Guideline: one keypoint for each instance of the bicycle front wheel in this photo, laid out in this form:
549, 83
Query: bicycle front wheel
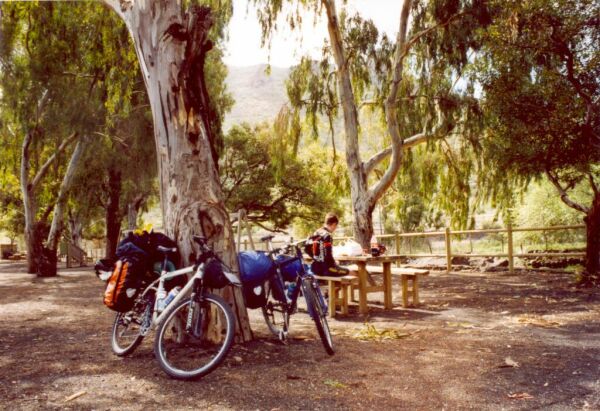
318, 314
194, 337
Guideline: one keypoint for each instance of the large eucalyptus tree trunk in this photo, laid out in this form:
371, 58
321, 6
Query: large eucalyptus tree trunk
171, 43
75, 228
592, 258
113, 213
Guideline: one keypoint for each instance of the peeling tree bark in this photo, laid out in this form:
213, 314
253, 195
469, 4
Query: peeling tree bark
35, 229
47, 267
592, 254
113, 213
75, 228
133, 209
592, 223
171, 44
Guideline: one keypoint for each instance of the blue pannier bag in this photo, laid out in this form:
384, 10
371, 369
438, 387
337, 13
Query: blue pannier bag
255, 267
290, 268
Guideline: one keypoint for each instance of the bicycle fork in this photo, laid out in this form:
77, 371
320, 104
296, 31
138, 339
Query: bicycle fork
193, 326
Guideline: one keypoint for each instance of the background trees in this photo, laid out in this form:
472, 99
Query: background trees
467, 105
412, 73
275, 193
540, 71
85, 86
39, 50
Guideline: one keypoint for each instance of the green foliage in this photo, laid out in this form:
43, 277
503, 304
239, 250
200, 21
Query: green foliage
541, 207
274, 193
45, 87
444, 34
540, 69
80, 57
11, 217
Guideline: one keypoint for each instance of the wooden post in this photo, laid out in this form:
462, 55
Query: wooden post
448, 250
68, 260
332, 298
387, 286
397, 239
250, 236
404, 279
511, 259
239, 230
362, 287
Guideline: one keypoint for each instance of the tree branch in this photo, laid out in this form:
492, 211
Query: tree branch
346, 92
410, 142
428, 30
391, 104
391, 109
65, 185
44, 169
593, 183
564, 196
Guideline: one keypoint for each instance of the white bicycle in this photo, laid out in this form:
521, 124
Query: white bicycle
185, 346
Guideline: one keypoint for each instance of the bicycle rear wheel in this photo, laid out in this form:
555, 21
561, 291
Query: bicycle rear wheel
275, 313
130, 327
194, 337
318, 314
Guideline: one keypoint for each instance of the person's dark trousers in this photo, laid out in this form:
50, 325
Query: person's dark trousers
335, 271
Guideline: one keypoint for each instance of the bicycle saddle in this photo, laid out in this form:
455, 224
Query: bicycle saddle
166, 249
267, 238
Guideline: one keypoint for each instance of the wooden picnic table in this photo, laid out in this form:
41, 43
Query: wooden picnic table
364, 287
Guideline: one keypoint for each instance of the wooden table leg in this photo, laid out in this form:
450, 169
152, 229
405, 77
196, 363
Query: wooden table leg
404, 291
415, 293
345, 290
331, 286
387, 286
362, 288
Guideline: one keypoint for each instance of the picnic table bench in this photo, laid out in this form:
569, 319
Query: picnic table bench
408, 276
341, 289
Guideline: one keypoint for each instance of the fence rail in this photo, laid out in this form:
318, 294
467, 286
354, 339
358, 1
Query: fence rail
449, 253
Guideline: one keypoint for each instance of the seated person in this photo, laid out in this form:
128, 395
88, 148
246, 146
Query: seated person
322, 250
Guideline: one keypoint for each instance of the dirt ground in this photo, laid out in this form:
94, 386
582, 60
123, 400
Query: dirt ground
479, 341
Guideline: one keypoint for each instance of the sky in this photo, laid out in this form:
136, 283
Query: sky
244, 49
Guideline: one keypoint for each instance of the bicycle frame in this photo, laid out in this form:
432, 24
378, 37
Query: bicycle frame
158, 284
301, 275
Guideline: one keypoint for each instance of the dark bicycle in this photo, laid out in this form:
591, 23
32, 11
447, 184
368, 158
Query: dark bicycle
281, 300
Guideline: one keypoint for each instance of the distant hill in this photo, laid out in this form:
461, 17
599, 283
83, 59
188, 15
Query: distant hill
258, 96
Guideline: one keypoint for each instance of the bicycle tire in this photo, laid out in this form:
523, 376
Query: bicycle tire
272, 307
136, 317
315, 310
160, 350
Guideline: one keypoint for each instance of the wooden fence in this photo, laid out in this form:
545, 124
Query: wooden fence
447, 234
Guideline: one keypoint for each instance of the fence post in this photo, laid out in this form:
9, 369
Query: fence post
397, 239
448, 251
511, 259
